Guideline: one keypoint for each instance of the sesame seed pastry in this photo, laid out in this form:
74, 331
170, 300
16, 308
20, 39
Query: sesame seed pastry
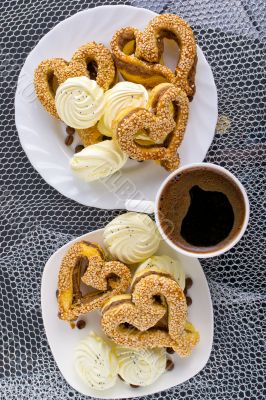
150, 47
79, 102
98, 61
121, 96
153, 314
96, 363
163, 264
98, 161
123, 45
160, 124
131, 237
91, 60
49, 75
84, 262
137, 54
142, 138
140, 367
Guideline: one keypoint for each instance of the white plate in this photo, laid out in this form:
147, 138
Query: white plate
42, 137
63, 340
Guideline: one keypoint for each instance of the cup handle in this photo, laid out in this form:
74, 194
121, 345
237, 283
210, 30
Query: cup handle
142, 206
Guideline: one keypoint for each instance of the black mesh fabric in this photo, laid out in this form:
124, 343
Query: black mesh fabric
35, 220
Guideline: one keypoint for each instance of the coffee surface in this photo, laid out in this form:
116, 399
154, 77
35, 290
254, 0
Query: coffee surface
201, 210
209, 219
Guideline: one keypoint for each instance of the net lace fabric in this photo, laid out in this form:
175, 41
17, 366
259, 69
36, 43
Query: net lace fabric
36, 220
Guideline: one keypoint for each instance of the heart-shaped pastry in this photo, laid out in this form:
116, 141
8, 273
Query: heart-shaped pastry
138, 54
154, 314
84, 262
49, 75
98, 62
164, 124
91, 60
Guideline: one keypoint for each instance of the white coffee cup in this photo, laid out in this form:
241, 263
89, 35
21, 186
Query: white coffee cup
149, 207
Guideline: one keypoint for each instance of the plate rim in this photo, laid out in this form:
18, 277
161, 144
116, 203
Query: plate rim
17, 101
45, 273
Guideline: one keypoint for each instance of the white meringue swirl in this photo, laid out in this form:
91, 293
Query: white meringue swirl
141, 367
167, 265
121, 96
79, 102
132, 237
96, 363
98, 161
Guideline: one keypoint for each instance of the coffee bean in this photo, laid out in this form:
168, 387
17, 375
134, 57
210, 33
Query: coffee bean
69, 140
189, 300
170, 350
79, 148
57, 293
81, 324
189, 283
69, 130
169, 365
120, 377
134, 386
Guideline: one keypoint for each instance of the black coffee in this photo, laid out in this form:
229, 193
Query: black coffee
201, 210
210, 218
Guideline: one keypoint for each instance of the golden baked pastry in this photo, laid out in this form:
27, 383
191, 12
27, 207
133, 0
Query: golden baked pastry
153, 314
164, 126
98, 61
49, 75
123, 45
138, 54
91, 60
84, 262
89, 136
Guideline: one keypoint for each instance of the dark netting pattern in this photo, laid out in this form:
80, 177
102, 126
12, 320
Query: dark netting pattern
36, 220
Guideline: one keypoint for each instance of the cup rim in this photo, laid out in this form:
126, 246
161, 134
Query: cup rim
230, 244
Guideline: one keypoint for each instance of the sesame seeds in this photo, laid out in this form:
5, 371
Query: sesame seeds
144, 65
159, 125
142, 314
98, 53
70, 300
62, 70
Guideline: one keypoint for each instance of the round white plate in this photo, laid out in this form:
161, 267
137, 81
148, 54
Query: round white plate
63, 340
42, 136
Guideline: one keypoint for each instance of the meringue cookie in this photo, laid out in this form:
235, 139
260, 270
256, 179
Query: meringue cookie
167, 265
79, 102
131, 237
141, 367
96, 363
121, 96
98, 160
